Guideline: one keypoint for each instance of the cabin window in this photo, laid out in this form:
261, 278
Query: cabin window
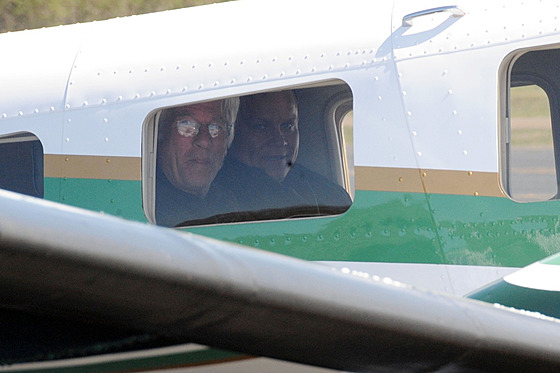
21, 166
532, 127
274, 155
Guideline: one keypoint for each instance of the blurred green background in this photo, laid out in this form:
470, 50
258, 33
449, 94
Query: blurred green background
29, 14
530, 117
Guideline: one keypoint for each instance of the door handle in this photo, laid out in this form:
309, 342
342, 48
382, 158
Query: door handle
453, 9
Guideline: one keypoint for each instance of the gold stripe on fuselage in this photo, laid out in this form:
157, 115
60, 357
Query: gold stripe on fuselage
410, 180
407, 180
93, 167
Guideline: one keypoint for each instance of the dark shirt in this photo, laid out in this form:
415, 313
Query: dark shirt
301, 193
326, 197
259, 196
175, 207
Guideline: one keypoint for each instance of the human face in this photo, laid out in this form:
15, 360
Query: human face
267, 135
190, 160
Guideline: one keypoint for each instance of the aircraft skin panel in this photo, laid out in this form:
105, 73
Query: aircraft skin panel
47, 127
40, 63
469, 127
442, 51
401, 230
152, 70
190, 66
476, 29
381, 135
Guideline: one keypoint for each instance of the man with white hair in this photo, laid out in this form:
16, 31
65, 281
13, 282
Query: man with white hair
192, 143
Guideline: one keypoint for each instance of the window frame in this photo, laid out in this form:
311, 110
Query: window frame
551, 88
37, 172
340, 106
151, 124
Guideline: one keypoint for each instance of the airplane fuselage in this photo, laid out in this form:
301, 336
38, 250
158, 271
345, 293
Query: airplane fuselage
410, 114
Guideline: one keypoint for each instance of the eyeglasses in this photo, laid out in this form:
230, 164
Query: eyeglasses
191, 128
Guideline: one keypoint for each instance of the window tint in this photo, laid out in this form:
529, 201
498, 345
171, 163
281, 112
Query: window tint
278, 155
531, 127
21, 169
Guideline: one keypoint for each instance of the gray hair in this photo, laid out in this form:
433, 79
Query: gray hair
230, 107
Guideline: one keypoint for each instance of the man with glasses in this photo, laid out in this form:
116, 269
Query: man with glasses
192, 143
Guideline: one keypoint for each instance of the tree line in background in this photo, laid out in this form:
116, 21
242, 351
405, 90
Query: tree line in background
29, 14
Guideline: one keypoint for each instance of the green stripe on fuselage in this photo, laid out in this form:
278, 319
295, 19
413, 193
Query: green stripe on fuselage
116, 197
495, 231
382, 227
379, 227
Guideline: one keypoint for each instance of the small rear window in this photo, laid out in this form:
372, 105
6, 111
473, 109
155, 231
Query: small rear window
21, 168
